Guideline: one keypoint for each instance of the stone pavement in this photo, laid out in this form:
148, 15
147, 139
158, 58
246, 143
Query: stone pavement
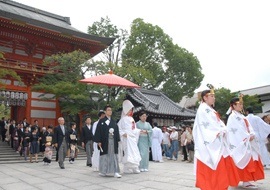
170, 175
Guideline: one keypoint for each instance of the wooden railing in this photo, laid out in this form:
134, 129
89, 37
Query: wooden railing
25, 66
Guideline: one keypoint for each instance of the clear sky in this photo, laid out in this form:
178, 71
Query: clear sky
231, 38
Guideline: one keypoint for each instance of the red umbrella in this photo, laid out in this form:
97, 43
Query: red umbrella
110, 80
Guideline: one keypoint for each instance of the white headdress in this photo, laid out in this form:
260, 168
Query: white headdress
127, 105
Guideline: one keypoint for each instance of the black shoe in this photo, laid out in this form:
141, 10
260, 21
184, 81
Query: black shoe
90, 165
62, 167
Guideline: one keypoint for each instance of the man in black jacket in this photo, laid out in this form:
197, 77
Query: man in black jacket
3, 129
107, 136
87, 140
61, 139
12, 129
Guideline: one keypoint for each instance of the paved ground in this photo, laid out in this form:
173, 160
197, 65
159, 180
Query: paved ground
170, 175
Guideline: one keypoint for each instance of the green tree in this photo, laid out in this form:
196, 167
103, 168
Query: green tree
144, 50
64, 83
224, 96
4, 111
112, 54
1, 55
111, 57
183, 73
158, 63
8, 73
4, 73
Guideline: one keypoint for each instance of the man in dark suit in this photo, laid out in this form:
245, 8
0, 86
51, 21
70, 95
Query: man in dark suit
107, 136
61, 139
35, 126
25, 123
20, 137
87, 140
12, 129
3, 129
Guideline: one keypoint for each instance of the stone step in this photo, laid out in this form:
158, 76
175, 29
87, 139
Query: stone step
9, 156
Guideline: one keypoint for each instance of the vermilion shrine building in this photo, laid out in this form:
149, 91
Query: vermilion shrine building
27, 36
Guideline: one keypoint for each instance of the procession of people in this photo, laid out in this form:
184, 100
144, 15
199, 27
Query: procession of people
226, 154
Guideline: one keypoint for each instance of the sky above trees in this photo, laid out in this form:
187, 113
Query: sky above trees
230, 38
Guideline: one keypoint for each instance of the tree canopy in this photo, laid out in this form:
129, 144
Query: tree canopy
64, 83
160, 63
224, 96
4, 73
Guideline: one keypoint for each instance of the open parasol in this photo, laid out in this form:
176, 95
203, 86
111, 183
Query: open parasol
109, 80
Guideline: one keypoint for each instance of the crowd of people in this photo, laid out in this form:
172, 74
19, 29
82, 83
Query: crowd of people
226, 154
131, 143
31, 140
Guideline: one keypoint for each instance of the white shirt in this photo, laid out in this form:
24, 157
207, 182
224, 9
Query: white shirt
174, 135
166, 138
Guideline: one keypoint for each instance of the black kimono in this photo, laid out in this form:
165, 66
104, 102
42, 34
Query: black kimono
102, 134
107, 133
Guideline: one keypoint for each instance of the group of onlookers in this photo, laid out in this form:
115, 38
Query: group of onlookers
31, 140
178, 142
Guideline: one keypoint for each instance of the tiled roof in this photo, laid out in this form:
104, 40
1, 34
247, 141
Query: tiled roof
156, 102
39, 18
260, 91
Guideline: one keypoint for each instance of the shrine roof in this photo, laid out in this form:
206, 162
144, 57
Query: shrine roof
156, 102
42, 19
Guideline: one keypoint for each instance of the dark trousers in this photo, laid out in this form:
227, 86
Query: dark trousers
3, 134
11, 141
184, 150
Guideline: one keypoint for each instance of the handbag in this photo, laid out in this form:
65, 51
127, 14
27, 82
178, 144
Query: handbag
72, 137
190, 146
48, 139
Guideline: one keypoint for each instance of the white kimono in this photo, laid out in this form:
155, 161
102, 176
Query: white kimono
157, 137
239, 132
262, 130
131, 158
96, 152
208, 134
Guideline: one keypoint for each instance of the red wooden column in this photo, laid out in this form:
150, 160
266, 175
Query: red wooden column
28, 104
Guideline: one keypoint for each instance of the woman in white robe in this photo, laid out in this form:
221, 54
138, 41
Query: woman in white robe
212, 160
244, 147
262, 130
129, 139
